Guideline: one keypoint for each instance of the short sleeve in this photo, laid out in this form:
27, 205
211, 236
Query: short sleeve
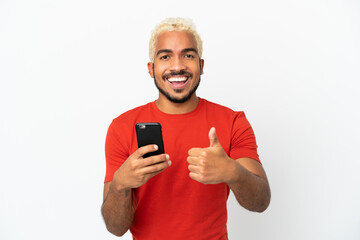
243, 142
116, 150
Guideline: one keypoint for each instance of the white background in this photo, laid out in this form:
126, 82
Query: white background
67, 68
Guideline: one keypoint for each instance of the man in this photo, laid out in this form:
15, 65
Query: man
210, 149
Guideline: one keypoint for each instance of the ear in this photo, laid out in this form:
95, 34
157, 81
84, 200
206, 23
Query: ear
201, 66
150, 68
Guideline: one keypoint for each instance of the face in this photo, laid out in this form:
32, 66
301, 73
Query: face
177, 67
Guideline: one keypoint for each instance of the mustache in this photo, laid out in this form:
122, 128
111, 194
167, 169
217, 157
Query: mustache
176, 73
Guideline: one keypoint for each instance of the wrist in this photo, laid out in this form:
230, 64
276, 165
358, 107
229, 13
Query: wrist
119, 182
234, 173
118, 187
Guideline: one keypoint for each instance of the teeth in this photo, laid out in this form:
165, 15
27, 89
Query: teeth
177, 79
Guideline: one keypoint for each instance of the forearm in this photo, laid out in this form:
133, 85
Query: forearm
117, 210
250, 190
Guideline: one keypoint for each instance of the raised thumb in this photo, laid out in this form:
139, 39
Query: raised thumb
213, 138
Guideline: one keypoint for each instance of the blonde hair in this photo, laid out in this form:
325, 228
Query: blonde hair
174, 24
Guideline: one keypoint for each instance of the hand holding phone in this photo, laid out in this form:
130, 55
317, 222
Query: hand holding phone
137, 169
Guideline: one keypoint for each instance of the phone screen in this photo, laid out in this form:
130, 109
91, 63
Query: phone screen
150, 133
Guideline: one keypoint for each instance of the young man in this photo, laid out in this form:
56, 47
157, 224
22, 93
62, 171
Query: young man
210, 150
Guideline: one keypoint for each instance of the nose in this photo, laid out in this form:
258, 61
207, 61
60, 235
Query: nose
177, 64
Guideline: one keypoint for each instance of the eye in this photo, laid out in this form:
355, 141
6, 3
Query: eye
189, 56
164, 57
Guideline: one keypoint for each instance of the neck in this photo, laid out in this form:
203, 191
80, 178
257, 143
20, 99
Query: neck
166, 106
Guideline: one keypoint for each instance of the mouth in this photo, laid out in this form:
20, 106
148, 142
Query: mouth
177, 81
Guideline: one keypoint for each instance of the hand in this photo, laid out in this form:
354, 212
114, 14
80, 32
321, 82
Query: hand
136, 170
210, 165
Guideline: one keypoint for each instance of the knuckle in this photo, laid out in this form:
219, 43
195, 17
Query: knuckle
149, 160
132, 165
160, 167
202, 178
139, 150
144, 150
157, 159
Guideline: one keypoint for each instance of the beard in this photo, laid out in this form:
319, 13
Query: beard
171, 98
174, 99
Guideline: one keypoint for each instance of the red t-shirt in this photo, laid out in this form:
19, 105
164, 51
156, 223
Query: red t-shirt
171, 205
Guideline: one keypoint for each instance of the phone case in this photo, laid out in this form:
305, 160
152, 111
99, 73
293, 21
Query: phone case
149, 133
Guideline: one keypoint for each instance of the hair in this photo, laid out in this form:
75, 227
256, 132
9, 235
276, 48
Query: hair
174, 24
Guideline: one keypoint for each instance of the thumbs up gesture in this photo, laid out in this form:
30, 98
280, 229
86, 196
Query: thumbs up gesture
210, 165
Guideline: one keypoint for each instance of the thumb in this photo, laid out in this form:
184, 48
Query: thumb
214, 141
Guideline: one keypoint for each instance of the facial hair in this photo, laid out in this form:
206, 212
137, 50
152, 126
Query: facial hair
173, 99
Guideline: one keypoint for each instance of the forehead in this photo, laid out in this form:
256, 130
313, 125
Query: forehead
175, 41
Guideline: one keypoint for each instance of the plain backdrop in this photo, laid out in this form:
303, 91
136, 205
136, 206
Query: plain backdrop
67, 68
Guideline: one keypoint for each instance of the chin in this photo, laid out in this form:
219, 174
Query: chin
185, 97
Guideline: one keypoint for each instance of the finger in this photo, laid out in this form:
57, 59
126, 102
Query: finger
195, 176
195, 152
155, 159
153, 174
214, 141
194, 169
155, 169
150, 175
147, 176
144, 150
193, 160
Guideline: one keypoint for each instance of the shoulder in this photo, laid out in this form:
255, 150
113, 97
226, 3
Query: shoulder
123, 123
221, 110
132, 114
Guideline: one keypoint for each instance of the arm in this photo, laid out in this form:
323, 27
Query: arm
117, 209
245, 177
250, 185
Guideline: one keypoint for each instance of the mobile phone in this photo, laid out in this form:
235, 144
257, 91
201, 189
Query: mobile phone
150, 133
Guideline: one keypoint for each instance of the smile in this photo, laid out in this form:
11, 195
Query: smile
177, 81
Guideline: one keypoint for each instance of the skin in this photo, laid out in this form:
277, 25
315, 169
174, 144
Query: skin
176, 51
117, 207
245, 176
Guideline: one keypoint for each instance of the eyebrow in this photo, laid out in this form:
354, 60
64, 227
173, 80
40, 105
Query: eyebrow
163, 51
170, 51
189, 50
